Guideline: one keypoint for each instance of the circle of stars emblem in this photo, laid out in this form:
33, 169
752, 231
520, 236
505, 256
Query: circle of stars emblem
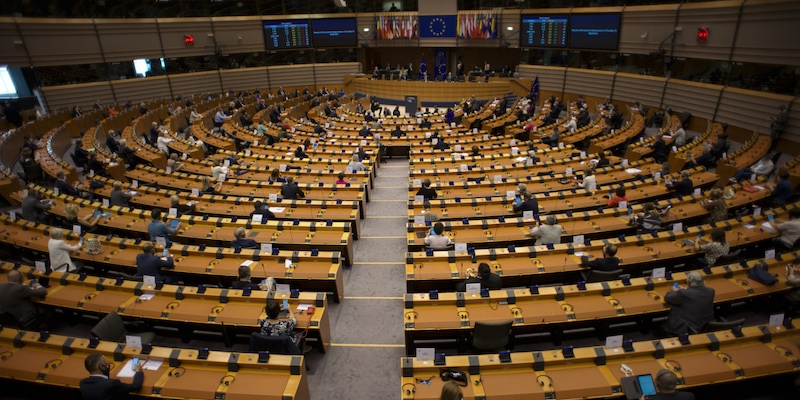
437, 26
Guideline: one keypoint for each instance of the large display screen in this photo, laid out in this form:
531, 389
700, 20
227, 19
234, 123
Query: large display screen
287, 35
339, 32
594, 31
543, 31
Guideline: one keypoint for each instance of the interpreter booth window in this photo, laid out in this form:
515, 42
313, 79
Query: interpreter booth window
71, 74
7, 88
549, 57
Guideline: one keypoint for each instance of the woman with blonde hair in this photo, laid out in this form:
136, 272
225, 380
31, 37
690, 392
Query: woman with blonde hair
71, 218
59, 251
451, 391
207, 187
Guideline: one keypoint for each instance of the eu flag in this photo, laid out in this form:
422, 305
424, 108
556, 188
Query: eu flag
437, 26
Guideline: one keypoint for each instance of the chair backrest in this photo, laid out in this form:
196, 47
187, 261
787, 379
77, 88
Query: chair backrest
729, 258
111, 328
722, 325
33, 171
280, 344
601, 276
491, 336
9, 320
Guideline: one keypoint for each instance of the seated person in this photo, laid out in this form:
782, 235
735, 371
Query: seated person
35, 207
426, 191
59, 251
241, 241
15, 299
157, 228
609, 262
691, 307
173, 164
118, 197
340, 179
720, 146
207, 187
526, 202
647, 221
290, 190
175, 202
64, 187
589, 181
272, 326
245, 281
355, 165
71, 218
94, 165
603, 161
716, 206
100, 386
485, 277
549, 232
619, 196
789, 230
397, 132
148, 263
437, 239
660, 150
716, 248
299, 153
275, 176
259, 209
552, 140
706, 160
762, 168
426, 211
782, 191
685, 187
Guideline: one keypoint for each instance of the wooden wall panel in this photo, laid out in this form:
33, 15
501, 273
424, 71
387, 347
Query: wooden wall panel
172, 31
198, 82
239, 34
587, 82
657, 22
429, 91
129, 39
244, 78
143, 89
752, 110
12, 45
697, 98
768, 33
719, 17
551, 79
73, 40
647, 90
291, 75
332, 75
84, 95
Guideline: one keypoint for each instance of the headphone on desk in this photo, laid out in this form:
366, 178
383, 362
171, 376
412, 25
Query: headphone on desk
175, 373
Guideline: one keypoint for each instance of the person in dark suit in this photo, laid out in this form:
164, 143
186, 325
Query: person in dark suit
666, 381
691, 307
609, 261
244, 280
684, 187
290, 190
660, 150
397, 132
80, 154
15, 299
527, 203
241, 240
35, 208
259, 209
426, 191
364, 132
64, 187
148, 263
485, 277
98, 386
175, 202
111, 142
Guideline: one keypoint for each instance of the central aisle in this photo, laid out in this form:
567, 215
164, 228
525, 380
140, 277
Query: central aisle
363, 362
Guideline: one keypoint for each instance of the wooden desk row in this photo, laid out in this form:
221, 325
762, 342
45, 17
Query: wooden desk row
555, 309
310, 270
594, 372
516, 230
630, 130
539, 181
186, 307
244, 188
572, 200
296, 235
499, 154
749, 154
677, 159
558, 263
59, 361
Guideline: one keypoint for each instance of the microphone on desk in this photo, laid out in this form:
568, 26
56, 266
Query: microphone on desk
564, 269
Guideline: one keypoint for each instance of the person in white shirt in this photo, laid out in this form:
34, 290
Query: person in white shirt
59, 251
162, 142
762, 168
194, 115
355, 165
437, 239
550, 232
679, 137
589, 181
572, 125
218, 170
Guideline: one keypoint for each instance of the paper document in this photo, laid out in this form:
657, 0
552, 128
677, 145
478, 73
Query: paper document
633, 170
302, 307
277, 209
146, 296
247, 263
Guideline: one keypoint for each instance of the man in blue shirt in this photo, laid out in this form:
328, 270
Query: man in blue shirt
157, 228
148, 263
782, 191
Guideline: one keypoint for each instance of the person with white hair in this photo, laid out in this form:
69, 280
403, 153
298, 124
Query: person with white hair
549, 232
692, 307
572, 125
59, 251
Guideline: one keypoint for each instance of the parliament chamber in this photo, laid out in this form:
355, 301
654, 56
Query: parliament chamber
283, 199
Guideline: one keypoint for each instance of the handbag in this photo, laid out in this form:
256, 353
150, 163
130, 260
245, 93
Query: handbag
760, 274
454, 374
93, 246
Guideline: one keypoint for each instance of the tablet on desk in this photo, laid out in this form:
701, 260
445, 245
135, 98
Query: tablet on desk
687, 242
283, 314
420, 235
174, 223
